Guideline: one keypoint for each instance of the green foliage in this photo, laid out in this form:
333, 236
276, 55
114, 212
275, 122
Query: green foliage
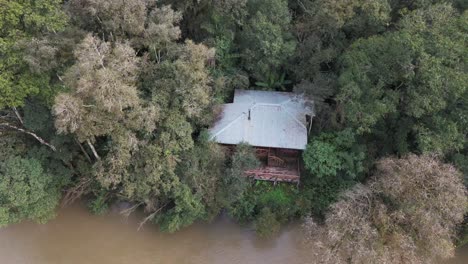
266, 223
265, 40
325, 29
275, 198
412, 76
282, 199
321, 159
99, 204
334, 161
243, 159
136, 98
226, 59
267, 204
130, 94
273, 82
21, 21
319, 194
234, 182
462, 5
461, 162
187, 208
463, 235
26, 191
202, 169
331, 154
243, 210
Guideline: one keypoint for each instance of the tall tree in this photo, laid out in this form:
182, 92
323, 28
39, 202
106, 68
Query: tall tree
407, 213
20, 21
26, 191
265, 41
144, 23
335, 155
410, 85
103, 83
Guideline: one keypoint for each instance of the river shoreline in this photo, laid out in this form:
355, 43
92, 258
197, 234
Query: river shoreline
76, 236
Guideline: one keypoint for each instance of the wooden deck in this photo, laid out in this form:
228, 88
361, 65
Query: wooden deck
278, 165
275, 174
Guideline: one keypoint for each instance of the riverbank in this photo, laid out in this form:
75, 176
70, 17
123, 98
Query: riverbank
76, 236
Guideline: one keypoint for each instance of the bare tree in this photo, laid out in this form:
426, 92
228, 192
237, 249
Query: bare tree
406, 214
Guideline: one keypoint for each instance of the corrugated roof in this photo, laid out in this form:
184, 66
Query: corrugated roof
277, 120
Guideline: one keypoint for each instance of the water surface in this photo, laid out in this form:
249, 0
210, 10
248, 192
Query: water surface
75, 236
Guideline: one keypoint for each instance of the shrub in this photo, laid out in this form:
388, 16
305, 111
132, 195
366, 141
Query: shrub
266, 223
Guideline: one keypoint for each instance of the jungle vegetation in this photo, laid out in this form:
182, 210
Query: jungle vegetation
109, 101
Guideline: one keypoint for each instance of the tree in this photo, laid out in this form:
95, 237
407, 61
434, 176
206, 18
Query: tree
265, 40
202, 169
143, 23
335, 154
192, 79
266, 223
138, 111
187, 209
324, 30
407, 213
21, 21
26, 191
103, 83
409, 85
321, 159
234, 182
113, 18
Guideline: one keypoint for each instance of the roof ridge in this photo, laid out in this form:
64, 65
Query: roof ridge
227, 126
291, 115
285, 102
282, 107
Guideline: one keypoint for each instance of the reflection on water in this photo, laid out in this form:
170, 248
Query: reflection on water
75, 236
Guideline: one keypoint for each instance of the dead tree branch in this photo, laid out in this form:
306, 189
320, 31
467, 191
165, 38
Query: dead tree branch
84, 151
149, 217
93, 149
18, 115
76, 191
38, 138
128, 211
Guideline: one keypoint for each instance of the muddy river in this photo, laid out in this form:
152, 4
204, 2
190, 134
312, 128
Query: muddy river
75, 236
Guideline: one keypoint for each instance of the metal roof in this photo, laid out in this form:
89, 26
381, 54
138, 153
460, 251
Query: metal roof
277, 120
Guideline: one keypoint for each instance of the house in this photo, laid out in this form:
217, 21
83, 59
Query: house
275, 123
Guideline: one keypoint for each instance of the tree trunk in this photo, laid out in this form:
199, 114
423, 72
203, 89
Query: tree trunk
84, 151
18, 115
38, 138
93, 149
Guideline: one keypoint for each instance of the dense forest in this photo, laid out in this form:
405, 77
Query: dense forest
109, 101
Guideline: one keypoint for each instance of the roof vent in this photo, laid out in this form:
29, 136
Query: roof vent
249, 114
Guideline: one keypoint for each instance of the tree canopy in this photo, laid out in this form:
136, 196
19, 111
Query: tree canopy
26, 191
109, 101
406, 213
411, 81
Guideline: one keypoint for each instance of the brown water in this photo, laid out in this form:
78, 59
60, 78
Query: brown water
75, 236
